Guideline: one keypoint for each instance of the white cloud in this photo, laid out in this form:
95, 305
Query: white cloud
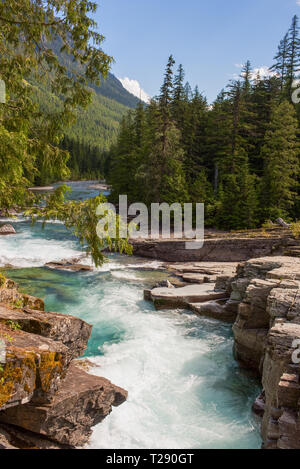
298, 2
134, 88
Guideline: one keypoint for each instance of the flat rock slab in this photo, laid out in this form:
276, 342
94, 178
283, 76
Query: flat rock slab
164, 298
205, 268
82, 402
69, 330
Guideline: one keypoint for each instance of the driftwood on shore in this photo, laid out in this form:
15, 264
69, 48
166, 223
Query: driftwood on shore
281, 222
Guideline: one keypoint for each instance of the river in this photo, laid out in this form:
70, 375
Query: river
185, 389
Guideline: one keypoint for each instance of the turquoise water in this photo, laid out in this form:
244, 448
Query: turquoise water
185, 389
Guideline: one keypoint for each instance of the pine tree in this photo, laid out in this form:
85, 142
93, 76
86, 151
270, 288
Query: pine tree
166, 92
246, 75
179, 99
293, 53
281, 163
194, 137
238, 199
164, 176
280, 65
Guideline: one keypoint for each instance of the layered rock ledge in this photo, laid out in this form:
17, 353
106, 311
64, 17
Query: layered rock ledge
267, 336
220, 247
262, 299
46, 400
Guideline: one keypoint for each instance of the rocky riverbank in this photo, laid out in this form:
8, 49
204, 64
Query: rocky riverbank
46, 399
262, 299
222, 246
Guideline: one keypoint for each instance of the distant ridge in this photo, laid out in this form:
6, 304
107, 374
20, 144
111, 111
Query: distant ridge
97, 125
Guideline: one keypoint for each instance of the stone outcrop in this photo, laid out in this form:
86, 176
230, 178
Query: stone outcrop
205, 296
81, 403
267, 339
69, 330
46, 400
262, 298
214, 250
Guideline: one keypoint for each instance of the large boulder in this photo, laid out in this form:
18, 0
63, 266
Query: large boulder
82, 402
69, 330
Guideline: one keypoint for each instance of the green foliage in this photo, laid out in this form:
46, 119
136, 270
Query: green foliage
240, 156
295, 227
14, 326
147, 161
18, 303
53, 46
81, 219
29, 135
280, 154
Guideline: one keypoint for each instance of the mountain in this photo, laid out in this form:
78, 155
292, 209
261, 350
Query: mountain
98, 125
112, 88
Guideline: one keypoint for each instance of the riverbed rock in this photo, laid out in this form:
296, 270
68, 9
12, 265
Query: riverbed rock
82, 402
212, 309
259, 405
71, 331
69, 266
7, 230
168, 298
164, 284
10, 295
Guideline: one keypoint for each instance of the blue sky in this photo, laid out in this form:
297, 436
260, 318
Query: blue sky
209, 37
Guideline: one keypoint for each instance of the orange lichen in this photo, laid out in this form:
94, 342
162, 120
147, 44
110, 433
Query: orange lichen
50, 364
12, 374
